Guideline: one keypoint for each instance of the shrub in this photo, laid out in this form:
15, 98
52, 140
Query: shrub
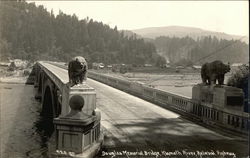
240, 78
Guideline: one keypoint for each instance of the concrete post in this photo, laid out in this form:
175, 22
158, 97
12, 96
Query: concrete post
78, 132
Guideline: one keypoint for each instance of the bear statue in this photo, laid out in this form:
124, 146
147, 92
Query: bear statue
211, 72
77, 70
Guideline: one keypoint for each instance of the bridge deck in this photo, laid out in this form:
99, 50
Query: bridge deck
130, 122
59, 72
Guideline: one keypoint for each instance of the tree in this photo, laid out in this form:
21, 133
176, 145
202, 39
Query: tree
240, 80
32, 32
4, 49
160, 61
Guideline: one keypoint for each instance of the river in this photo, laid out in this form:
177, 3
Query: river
24, 134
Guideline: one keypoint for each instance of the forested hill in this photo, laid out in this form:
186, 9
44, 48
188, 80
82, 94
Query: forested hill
33, 33
182, 31
181, 45
204, 49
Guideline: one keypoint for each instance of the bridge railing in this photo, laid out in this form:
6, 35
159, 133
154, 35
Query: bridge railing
53, 77
60, 84
181, 104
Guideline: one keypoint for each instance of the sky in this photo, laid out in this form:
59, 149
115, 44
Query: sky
230, 17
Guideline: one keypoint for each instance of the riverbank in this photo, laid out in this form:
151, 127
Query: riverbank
14, 77
13, 80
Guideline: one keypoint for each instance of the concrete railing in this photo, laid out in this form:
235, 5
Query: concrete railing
59, 83
181, 104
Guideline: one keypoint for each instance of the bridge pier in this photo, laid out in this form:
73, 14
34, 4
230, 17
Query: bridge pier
39, 83
36, 70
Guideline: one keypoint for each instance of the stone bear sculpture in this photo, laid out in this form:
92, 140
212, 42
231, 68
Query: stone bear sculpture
211, 72
77, 70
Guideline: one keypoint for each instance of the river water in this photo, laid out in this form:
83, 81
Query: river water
23, 132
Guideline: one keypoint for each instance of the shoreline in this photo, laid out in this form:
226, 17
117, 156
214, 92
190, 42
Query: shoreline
13, 80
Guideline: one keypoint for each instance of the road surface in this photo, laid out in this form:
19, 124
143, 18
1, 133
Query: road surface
132, 123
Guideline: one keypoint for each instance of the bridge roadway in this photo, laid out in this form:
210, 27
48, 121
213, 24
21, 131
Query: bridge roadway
131, 123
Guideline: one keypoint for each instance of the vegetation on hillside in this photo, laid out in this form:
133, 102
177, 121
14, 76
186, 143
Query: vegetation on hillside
31, 32
198, 51
183, 31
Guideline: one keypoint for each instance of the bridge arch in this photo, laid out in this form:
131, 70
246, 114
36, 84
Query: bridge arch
50, 105
45, 123
48, 108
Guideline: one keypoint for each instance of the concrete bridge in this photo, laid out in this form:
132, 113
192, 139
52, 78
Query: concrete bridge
77, 130
132, 123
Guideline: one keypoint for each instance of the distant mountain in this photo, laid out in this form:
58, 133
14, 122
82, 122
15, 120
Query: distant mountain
130, 33
181, 31
185, 49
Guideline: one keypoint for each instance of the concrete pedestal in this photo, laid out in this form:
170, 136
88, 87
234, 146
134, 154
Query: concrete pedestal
89, 95
75, 134
219, 95
79, 135
230, 97
202, 93
86, 92
78, 132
